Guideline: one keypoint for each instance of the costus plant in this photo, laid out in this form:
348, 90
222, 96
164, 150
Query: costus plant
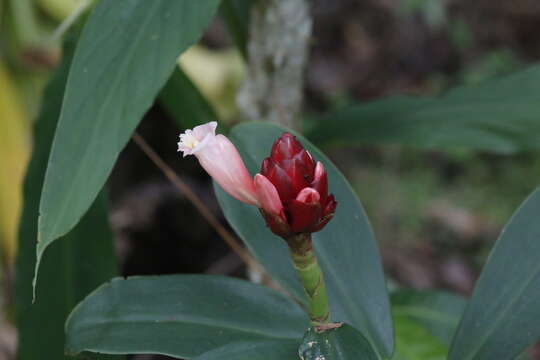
291, 191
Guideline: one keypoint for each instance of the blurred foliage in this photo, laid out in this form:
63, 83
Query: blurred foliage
27, 55
402, 188
493, 63
499, 115
217, 74
433, 12
425, 322
61, 9
437, 311
184, 102
236, 15
413, 342
461, 34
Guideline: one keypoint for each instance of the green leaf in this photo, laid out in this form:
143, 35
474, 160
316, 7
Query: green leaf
414, 342
182, 316
344, 343
265, 350
498, 115
437, 311
184, 102
345, 248
75, 264
126, 53
501, 319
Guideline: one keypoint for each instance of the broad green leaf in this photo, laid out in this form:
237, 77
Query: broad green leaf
345, 248
501, 319
498, 115
73, 267
184, 102
126, 53
181, 315
414, 342
267, 350
437, 311
344, 343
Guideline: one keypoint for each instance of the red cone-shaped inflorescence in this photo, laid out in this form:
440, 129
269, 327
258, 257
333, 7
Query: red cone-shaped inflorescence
293, 190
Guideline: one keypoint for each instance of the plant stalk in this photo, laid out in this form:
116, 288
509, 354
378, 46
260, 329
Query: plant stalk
311, 276
25, 21
279, 34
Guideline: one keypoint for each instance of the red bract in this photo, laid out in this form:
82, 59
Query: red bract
293, 190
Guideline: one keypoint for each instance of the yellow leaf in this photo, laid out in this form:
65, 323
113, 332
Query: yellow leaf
14, 150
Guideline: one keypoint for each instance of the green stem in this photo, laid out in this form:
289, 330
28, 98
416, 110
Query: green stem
311, 276
70, 20
25, 22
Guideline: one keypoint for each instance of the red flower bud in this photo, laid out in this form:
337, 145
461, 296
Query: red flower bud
293, 190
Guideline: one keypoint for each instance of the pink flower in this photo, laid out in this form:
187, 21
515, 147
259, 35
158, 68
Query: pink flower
219, 157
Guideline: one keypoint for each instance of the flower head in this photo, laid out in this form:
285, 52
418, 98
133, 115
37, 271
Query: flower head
218, 156
293, 190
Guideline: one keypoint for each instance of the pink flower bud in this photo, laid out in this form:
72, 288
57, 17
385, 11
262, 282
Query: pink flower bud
219, 157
